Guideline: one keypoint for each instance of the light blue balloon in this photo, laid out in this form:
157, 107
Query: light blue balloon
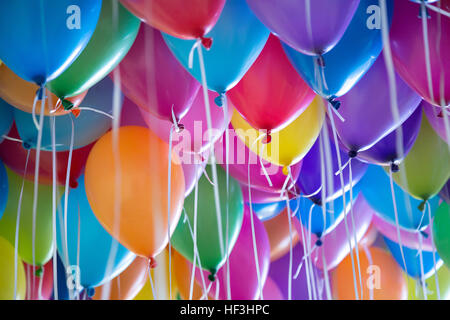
267, 211
350, 59
88, 127
412, 260
6, 118
4, 188
375, 186
40, 39
238, 38
95, 241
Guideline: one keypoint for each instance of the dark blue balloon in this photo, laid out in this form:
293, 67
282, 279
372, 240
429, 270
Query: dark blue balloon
4, 188
63, 290
6, 118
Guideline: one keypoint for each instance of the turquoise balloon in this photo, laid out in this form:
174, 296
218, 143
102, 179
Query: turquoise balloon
6, 118
238, 38
350, 59
375, 186
95, 242
3, 188
88, 127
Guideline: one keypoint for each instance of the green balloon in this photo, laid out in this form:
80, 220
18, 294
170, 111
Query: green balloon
43, 236
427, 166
441, 232
415, 290
208, 243
112, 38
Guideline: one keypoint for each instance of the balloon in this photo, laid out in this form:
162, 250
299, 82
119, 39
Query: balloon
415, 292
83, 242
441, 236
279, 237
143, 215
210, 252
343, 70
182, 274
312, 28
234, 49
14, 156
178, 18
267, 211
6, 118
360, 105
7, 273
380, 275
43, 243
115, 33
62, 281
153, 79
88, 126
435, 116
427, 166
271, 290
127, 284
271, 94
39, 281
375, 187
445, 192
262, 197
3, 189
385, 153
39, 40
408, 49
289, 145
414, 261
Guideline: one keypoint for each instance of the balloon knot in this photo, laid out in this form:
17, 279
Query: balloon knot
334, 103
26, 145
179, 127
352, 154
285, 170
76, 112
319, 243
421, 206
220, 99
152, 263
424, 234
394, 167
320, 61
38, 272
440, 114
90, 292
426, 13
268, 138
40, 93
73, 184
317, 202
212, 276
206, 42
68, 105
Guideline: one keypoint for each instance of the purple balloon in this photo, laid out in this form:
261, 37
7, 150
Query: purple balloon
445, 192
435, 116
367, 109
384, 152
312, 27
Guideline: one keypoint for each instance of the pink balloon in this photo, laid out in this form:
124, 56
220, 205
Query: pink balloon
335, 244
271, 291
131, 115
153, 79
435, 116
36, 290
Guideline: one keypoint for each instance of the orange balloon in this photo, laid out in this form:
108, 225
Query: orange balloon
278, 231
182, 273
141, 221
383, 276
20, 93
128, 283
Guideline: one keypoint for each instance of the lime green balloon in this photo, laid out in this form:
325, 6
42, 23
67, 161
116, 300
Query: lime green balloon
415, 290
112, 38
7, 273
427, 166
441, 232
43, 239
208, 240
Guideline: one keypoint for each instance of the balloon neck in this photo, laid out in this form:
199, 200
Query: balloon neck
420, 16
73, 184
40, 93
67, 105
394, 167
76, 112
319, 243
352, 154
206, 42
219, 100
152, 263
424, 234
320, 61
212, 276
421, 206
26, 145
179, 127
90, 292
317, 202
285, 170
268, 138
334, 103
440, 114
38, 272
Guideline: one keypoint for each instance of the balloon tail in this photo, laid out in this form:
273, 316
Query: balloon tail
41, 280
194, 238
151, 280
97, 111
327, 279
308, 258
308, 281
436, 277
54, 187
290, 248
77, 289
422, 274
169, 189
227, 147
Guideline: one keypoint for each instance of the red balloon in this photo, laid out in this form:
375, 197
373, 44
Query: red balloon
39, 281
271, 94
14, 156
180, 18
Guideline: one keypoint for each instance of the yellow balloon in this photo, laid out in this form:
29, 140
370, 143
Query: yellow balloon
289, 145
415, 290
7, 273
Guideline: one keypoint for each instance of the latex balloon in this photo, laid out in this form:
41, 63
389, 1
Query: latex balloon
376, 189
62, 282
88, 126
415, 292
410, 57
418, 265
39, 281
83, 242
32, 34
435, 116
143, 224
115, 33
6, 118
153, 79
271, 290
427, 166
360, 105
267, 211
343, 70
212, 256
441, 237
182, 274
384, 282
14, 156
21, 94
176, 17
263, 197
7, 273
127, 284
385, 153
289, 145
445, 192
302, 25
234, 49
271, 94
43, 243
4, 188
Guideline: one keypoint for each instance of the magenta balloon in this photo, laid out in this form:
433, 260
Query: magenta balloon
435, 116
313, 30
153, 79
131, 114
259, 196
271, 290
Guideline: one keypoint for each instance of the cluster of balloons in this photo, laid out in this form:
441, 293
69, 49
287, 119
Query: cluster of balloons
224, 149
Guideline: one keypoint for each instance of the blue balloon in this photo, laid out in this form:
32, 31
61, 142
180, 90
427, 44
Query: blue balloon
61, 278
95, 242
375, 186
350, 59
238, 38
6, 118
4, 188
40, 39
412, 260
88, 127
267, 211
